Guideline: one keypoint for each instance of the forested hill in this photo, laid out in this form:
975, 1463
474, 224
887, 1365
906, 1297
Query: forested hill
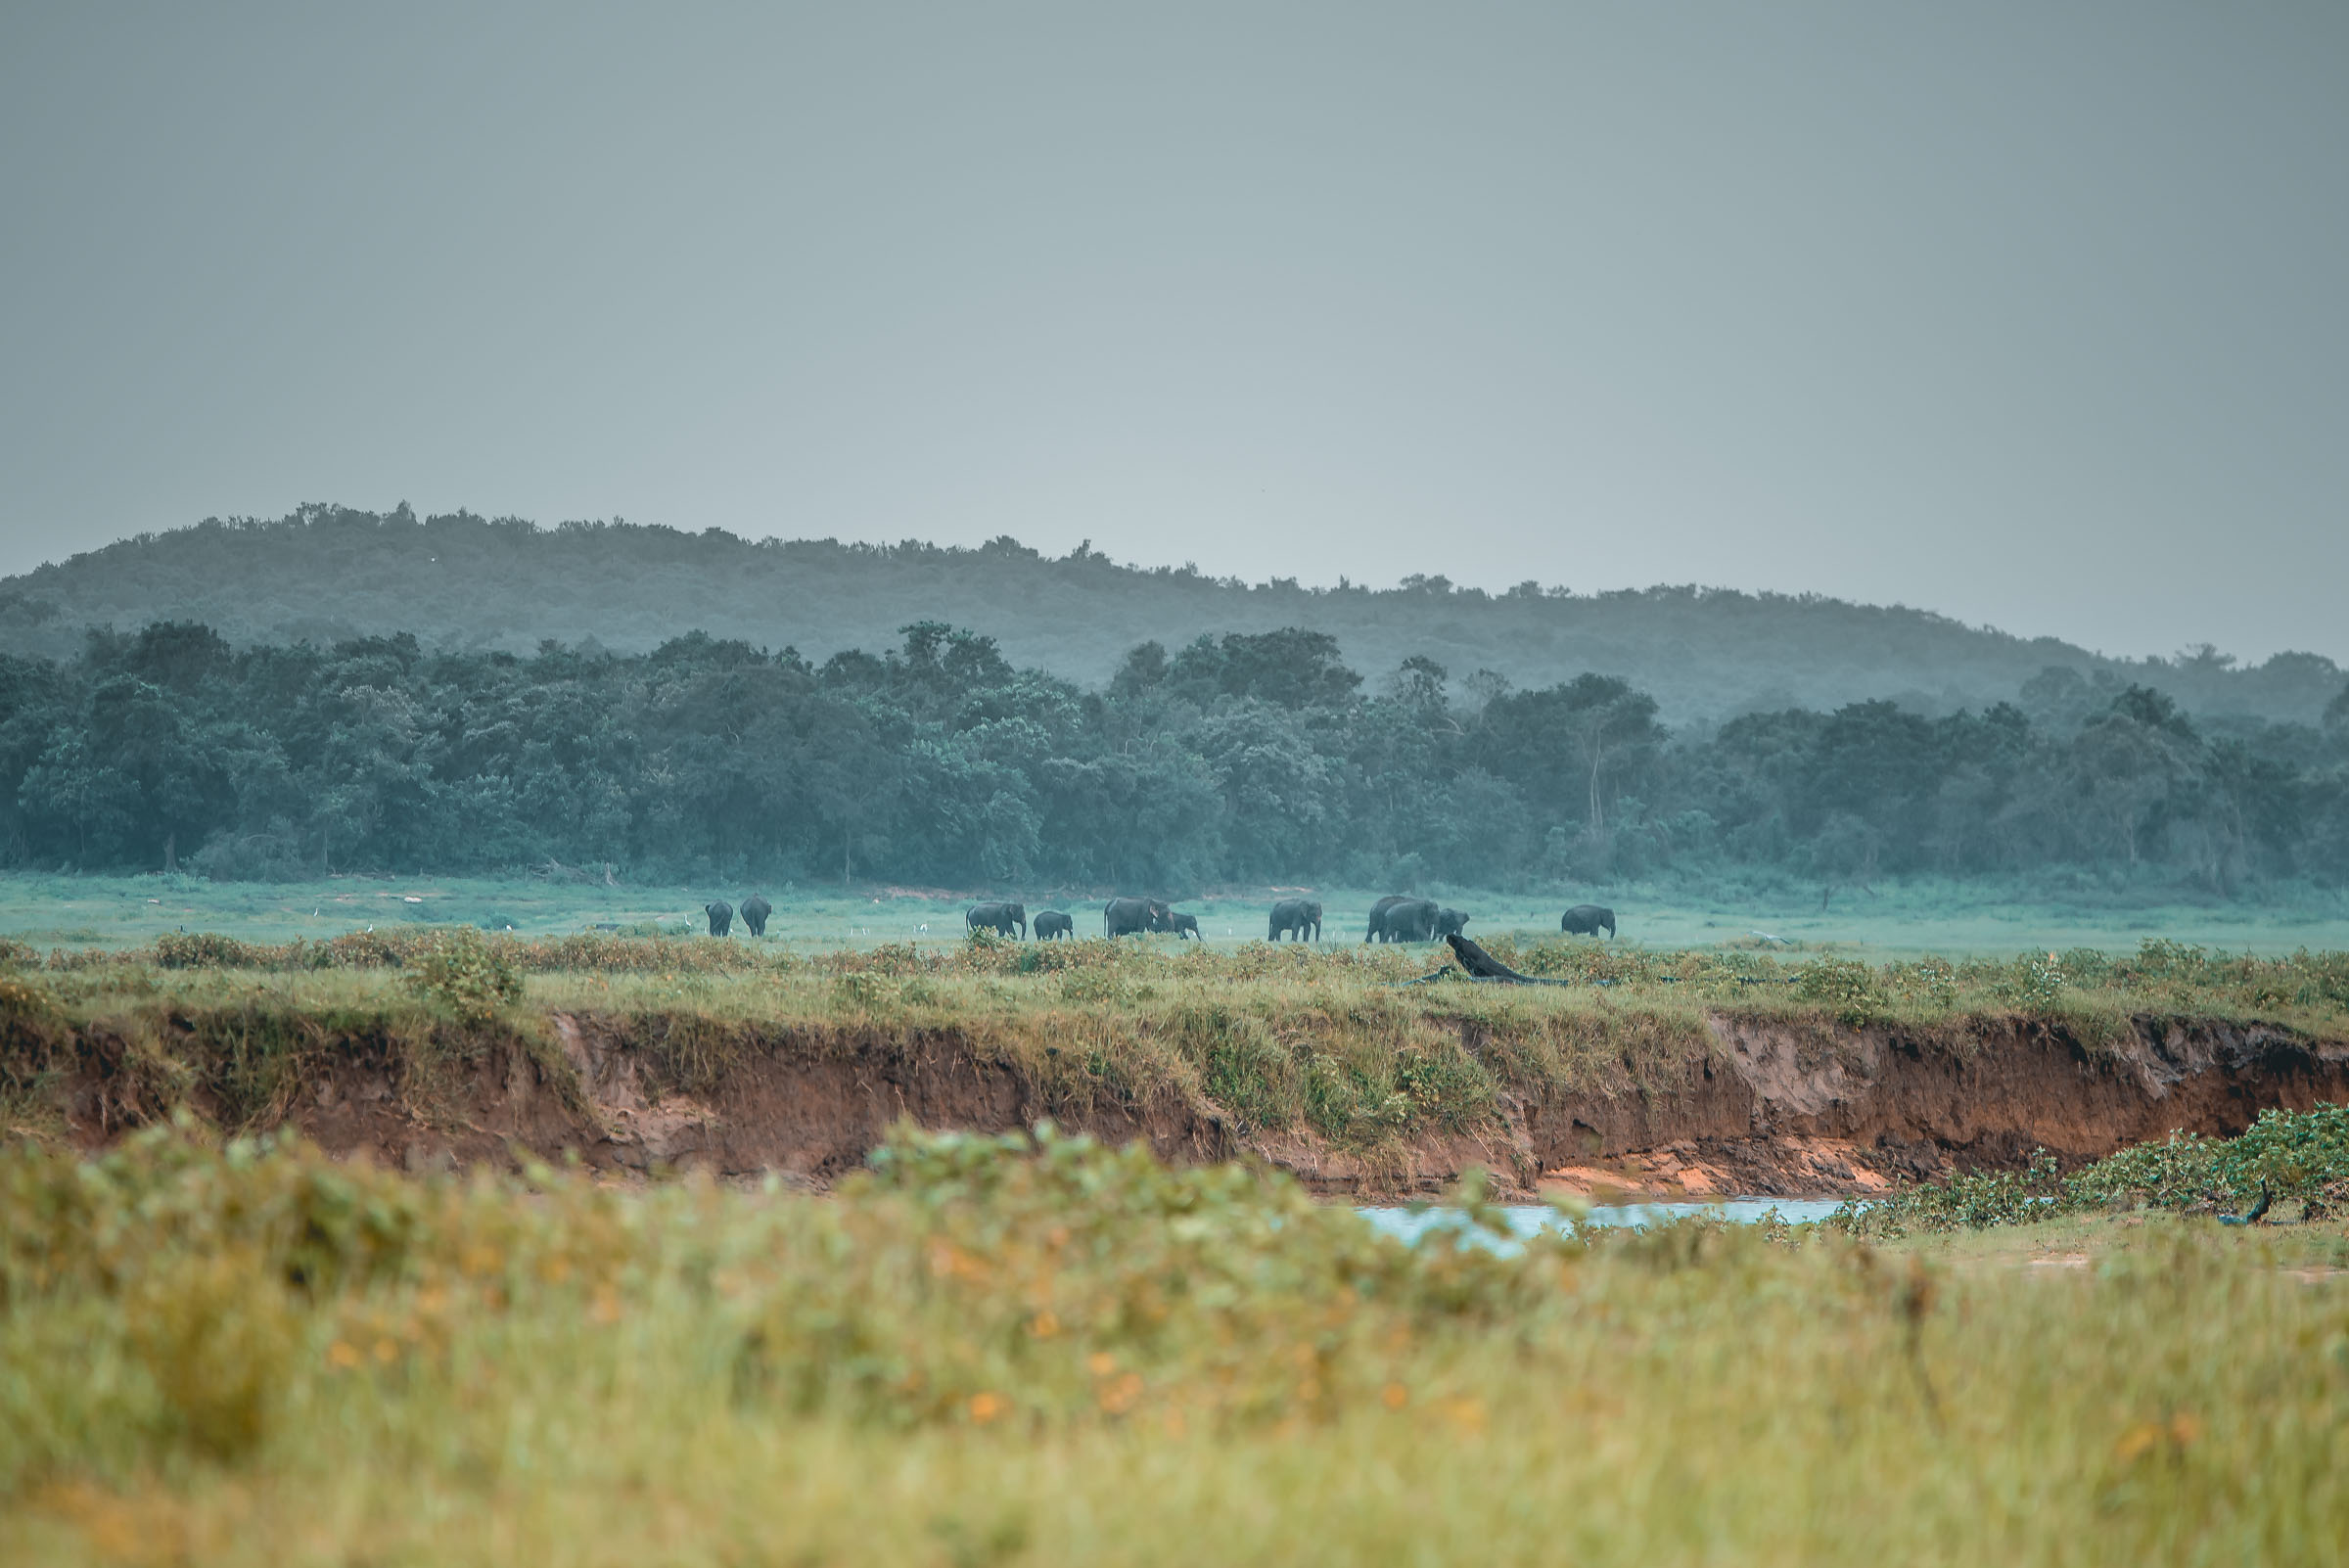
327, 573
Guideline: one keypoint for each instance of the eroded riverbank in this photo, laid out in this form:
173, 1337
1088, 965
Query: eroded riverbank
1720, 1104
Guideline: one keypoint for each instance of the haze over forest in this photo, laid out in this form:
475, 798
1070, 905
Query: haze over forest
2029, 315
460, 581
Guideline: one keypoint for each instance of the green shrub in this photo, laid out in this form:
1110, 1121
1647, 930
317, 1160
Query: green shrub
472, 976
2035, 982
1845, 985
208, 950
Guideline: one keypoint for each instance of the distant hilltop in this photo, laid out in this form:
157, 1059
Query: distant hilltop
329, 573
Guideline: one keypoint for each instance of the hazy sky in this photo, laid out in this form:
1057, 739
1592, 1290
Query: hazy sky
2034, 314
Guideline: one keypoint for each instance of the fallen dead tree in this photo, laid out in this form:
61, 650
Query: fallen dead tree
1481, 967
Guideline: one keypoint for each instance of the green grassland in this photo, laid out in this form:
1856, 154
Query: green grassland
1953, 919
993, 1352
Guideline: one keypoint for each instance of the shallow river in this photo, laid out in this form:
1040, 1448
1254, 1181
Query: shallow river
1527, 1218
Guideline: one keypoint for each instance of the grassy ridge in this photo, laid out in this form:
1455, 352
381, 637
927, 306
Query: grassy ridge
1327, 1041
993, 1352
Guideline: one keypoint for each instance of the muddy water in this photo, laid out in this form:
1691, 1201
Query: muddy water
1530, 1219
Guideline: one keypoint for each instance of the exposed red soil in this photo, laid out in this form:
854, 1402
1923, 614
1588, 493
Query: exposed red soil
1772, 1110
1786, 1113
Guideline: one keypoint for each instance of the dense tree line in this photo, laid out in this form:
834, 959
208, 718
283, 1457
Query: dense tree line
1249, 757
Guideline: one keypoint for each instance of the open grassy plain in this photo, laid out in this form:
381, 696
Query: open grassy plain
1952, 919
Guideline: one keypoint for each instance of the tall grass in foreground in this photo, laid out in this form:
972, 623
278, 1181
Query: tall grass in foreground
993, 1352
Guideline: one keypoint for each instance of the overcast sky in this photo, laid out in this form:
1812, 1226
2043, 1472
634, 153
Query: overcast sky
2031, 314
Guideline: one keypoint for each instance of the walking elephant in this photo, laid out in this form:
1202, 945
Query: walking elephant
1588, 920
1011, 919
754, 911
1378, 915
1130, 917
721, 917
1302, 916
1184, 925
1052, 923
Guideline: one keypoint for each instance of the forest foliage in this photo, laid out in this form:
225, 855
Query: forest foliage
1239, 758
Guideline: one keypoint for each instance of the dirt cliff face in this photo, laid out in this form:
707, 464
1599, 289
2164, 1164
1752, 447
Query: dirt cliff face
1764, 1107
1784, 1111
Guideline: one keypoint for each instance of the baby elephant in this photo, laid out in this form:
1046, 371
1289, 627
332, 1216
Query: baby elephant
1050, 923
1184, 925
721, 917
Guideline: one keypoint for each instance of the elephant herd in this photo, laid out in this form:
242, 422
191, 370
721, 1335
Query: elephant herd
1397, 917
1393, 918
1119, 917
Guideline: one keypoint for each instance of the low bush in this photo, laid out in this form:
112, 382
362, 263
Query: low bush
1848, 988
206, 949
472, 976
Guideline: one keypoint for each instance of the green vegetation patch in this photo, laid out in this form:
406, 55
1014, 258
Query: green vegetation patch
2289, 1155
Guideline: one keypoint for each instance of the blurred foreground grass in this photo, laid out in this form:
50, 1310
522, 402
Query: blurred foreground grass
993, 1352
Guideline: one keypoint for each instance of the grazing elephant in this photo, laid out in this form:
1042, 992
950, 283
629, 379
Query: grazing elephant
1450, 922
721, 917
1052, 923
1130, 917
1300, 915
1011, 919
1587, 920
1410, 920
754, 911
1378, 915
1184, 925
